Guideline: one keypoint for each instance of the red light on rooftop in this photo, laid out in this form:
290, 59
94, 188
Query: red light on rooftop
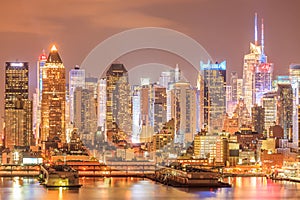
43, 56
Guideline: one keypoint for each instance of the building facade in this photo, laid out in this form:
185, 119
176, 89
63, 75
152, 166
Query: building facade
76, 79
18, 108
118, 103
53, 124
214, 76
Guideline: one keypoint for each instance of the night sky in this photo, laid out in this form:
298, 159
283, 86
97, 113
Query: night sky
223, 27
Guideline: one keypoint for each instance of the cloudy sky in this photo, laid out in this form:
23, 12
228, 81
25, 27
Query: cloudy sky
223, 28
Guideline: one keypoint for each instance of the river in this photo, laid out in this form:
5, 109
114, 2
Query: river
142, 189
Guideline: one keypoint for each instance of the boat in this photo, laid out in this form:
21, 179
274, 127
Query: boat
191, 178
59, 176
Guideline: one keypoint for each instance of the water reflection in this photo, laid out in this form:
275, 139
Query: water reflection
136, 188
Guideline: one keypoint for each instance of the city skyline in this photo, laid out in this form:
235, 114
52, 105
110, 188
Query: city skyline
225, 34
165, 92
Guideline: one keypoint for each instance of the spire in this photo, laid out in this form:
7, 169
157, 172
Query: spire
53, 48
262, 37
255, 29
54, 56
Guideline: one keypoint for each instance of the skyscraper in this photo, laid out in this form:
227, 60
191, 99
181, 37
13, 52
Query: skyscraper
101, 101
258, 118
295, 82
285, 109
234, 86
76, 79
214, 95
37, 96
257, 72
53, 123
269, 101
158, 107
18, 108
184, 111
136, 114
118, 102
85, 118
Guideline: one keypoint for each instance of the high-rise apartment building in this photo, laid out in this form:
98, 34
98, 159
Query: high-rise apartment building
214, 76
118, 102
53, 124
76, 79
18, 108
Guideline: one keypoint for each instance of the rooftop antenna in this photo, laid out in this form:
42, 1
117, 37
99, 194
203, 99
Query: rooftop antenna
262, 37
255, 29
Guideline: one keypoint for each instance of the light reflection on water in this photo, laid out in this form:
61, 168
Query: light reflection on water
136, 188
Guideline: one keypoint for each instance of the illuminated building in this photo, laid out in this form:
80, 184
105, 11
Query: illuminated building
146, 130
91, 83
199, 103
37, 97
263, 73
251, 61
166, 80
231, 124
214, 76
258, 118
242, 114
269, 101
164, 138
239, 89
211, 147
285, 109
136, 114
76, 79
295, 82
257, 73
263, 80
53, 123
280, 80
85, 119
157, 107
234, 86
118, 102
233, 150
18, 108
151, 100
101, 100
184, 111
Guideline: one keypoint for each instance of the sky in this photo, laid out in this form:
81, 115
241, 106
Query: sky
223, 28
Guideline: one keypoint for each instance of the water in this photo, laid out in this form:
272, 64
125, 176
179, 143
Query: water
136, 188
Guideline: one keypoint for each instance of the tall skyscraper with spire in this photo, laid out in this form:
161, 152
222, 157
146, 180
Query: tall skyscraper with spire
18, 108
53, 125
257, 72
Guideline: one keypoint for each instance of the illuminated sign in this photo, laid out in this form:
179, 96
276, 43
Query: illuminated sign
210, 66
19, 64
